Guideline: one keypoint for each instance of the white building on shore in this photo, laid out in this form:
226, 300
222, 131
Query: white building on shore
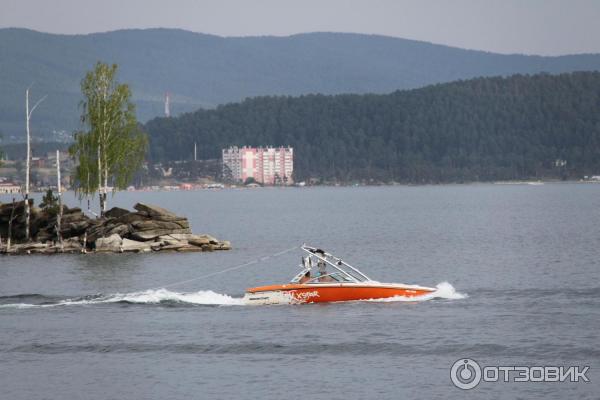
266, 165
9, 188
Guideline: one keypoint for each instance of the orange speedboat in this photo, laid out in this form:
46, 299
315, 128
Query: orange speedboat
315, 284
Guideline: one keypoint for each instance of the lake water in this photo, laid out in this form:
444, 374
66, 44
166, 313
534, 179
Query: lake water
521, 264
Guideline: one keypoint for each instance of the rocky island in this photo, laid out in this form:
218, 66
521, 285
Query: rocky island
147, 229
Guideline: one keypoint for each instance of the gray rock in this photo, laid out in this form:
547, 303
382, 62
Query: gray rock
184, 236
132, 245
224, 245
199, 241
121, 230
174, 242
210, 239
189, 248
111, 243
27, 248
180, 247
147, 229
71, 245
153, 234
131, 217
172, 247
154, 211
116, 212
153, 225
156, 246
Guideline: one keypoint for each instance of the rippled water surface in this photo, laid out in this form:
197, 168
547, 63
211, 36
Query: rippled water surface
517, 268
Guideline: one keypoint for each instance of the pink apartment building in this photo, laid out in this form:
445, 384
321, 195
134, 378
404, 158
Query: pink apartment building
267, 165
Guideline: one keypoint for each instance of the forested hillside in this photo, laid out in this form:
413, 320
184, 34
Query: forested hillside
480, 129
204, 70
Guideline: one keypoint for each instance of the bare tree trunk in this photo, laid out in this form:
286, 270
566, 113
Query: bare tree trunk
104, 138
87, 196
27, 163
100, 194
10, 222
105, 185
60, 206
27, 166
84, 248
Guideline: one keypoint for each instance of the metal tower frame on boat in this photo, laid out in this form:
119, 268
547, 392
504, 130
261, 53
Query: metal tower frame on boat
344, 272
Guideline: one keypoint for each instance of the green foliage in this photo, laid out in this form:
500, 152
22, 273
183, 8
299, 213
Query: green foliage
50, 203
249, 180
481, 129
85, 176
113, 148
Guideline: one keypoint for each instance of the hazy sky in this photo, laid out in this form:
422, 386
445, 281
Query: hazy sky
548, 27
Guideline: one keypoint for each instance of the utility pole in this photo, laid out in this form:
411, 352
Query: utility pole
195, 152
27, 163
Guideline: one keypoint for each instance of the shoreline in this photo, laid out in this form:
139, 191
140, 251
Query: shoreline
172, 188
5, 198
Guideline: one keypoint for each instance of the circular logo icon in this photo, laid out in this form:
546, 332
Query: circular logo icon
465, 373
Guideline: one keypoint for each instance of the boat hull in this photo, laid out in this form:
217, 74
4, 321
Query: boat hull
321, 293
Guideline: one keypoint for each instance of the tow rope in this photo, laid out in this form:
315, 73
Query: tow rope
233, 268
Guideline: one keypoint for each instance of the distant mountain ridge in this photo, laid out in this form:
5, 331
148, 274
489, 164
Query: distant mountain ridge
200, 70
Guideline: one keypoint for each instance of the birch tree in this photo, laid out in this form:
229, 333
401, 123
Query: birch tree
112, 148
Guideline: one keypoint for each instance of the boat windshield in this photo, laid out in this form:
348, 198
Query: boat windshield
328, 278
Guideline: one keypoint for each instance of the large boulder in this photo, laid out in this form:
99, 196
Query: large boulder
184, 236
181, 247
132, 217
110, 243
72, 245
135, 246
28, 248
155, 233
154, 225
224, 245
154, 211
199, 241
210, 239
119, 229
166, 240
116, 212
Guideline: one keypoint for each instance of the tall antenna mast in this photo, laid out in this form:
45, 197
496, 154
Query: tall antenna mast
167, 106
